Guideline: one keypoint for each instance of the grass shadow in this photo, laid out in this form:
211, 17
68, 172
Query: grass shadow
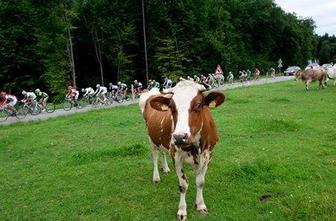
86, 157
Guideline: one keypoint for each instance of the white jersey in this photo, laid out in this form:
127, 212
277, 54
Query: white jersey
114, 87
11, 99
101, 90
88, 91
31, 95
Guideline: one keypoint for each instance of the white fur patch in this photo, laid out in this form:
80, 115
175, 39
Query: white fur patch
184, 92
145, 96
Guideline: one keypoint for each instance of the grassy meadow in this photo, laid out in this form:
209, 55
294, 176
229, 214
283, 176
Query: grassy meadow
276, 160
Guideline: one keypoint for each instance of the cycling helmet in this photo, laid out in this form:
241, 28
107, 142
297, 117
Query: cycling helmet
98, 86
119, 83
37, 91
83, 90
24, 92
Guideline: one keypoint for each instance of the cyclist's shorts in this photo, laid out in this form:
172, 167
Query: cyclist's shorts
11, 101
75, 95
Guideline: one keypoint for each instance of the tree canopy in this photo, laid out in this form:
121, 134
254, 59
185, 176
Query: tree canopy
51, 44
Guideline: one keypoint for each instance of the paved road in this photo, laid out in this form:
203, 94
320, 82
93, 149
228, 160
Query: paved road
61, 112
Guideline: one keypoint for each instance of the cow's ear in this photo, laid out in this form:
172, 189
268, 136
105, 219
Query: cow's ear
214, 99
160, 103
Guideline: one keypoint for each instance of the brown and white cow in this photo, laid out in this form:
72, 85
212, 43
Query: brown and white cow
181, 123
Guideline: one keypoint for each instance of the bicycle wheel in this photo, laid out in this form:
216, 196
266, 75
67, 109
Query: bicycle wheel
3, 115
67, 105
119, 98
35, 110
108, 101
79, 104
21, 113
50, 107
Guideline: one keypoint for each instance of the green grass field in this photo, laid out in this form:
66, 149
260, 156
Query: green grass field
276, 160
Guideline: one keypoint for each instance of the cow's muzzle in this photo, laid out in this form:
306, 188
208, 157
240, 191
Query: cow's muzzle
181, 139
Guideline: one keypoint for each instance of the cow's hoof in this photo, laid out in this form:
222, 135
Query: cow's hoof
166, 170
182, 217
201, 208
203, 211
156, 179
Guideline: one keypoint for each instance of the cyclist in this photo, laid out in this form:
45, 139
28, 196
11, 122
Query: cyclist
197, 79
150, 84
248, 74
137, 87
211, 80
100, 92
42, 98
181, 79
230, 77
88, 92
204, 82
29, 97
167, 83
156, 84
256, 73
72, 94
8, 101
190, 78
112, 89
271, 72
122, 87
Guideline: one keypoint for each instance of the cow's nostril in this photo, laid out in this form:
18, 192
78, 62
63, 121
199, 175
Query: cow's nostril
185, 136
181, 138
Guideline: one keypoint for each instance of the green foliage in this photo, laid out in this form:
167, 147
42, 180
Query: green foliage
326, 49
169, 61
19, 61
183, 37
52, 45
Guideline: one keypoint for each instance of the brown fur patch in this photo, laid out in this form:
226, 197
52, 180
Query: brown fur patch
159, 124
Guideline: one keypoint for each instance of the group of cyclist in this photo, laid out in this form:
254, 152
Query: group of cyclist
8, 101
101, 92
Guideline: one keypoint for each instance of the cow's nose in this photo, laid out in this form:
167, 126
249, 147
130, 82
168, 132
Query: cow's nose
181, 139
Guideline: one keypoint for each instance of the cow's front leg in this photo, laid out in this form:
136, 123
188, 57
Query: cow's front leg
200, 178
183, 186
307, 84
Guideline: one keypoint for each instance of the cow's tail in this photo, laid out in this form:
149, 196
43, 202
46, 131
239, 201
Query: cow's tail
144, 97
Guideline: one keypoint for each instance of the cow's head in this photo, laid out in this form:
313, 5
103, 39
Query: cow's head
298, 75
187, 105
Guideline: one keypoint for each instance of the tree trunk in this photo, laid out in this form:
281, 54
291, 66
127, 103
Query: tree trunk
71, 58
70, 47
145, 41
98, 52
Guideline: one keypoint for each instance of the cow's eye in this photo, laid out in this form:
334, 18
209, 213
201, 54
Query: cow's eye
198, 106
